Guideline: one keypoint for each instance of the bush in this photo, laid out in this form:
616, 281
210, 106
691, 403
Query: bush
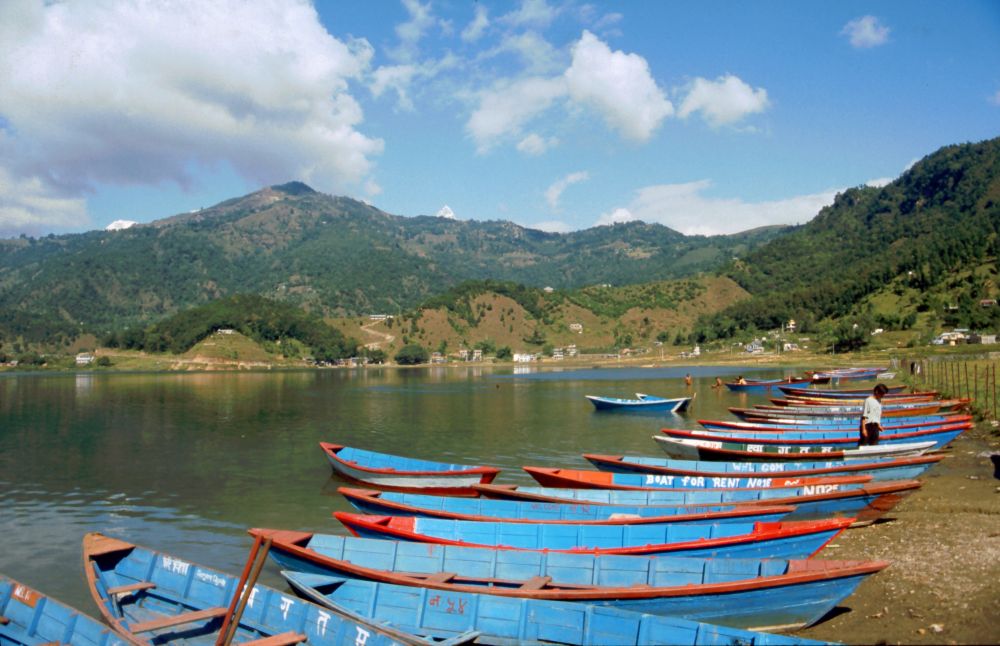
412, 354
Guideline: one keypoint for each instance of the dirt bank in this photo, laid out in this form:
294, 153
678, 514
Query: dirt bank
943, 586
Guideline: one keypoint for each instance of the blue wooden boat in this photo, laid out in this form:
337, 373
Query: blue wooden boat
30, 618
757, 594
391, 503
881, 469
891, 393
894, 424
834, 440
864, 502
765, 385
641, 402
152, 598
583, 478
514, 621
397, 473
732, 450
799, 539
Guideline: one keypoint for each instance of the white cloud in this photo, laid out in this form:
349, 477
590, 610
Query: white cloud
535, 145
618, 216
399, 78
617, 85
554, 192
127, 93
475, 29
537, 54
412, 31
532, 13
508, 105
684, 208
29, 206
120, 225
723, 101
865, 32
446, 212
995, 99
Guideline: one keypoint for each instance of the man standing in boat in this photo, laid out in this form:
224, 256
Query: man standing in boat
871, 416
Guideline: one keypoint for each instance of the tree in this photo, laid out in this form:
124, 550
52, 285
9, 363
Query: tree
412, 354
505, 353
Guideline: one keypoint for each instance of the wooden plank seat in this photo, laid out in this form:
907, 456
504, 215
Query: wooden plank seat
440, 577
132, 587
536, 583
282, 639
177, 620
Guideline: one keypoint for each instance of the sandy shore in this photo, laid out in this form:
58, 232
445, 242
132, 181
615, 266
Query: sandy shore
943, 586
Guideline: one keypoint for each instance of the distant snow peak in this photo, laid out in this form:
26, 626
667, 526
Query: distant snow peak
120, 225
446, 213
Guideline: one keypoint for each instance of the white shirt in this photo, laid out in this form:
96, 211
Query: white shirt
872, 411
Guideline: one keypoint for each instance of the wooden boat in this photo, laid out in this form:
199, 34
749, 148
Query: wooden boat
397, 473
799, 539
758, 594
30, 618
891, 393
841, 413
864, 502
881, 469
765, 385
641, 402
509, 620
796, 440
847, 374
409, 504
895, 424
733, 451
585, 479
149, 597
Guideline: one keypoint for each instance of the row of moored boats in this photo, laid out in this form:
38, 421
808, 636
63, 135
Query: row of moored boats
712, 543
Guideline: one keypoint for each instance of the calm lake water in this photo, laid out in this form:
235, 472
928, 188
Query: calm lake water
185, 463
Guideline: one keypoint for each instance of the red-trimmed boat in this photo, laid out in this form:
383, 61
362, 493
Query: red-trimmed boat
790, 540
392, 503
397, 473
587, 479
772, 594
736, 451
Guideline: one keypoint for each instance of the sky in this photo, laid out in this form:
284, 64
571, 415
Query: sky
707, 117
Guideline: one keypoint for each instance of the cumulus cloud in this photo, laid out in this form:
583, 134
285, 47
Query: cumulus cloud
619, 86
724, 101
865, 32
531, 13
508, 105
475, 29
685, 208
412, 31
29, 206
142, 93
534, 144
446, 212
399, 78
551, 226
555, 191
617, 216
536, 53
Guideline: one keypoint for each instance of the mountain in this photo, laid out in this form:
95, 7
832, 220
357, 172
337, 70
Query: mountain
330, 255
926, 243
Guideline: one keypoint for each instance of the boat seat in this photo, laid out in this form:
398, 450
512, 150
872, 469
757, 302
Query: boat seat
536, 583
440, 577
177, 620
282, 639
132, 587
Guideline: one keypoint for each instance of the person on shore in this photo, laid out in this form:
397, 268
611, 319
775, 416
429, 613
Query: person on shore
871, 416
687, 379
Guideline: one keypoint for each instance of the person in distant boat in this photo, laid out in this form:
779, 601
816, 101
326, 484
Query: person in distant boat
741, 381
687, 379
718, 383
871, 416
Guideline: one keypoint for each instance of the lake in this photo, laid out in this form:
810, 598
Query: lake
186, 462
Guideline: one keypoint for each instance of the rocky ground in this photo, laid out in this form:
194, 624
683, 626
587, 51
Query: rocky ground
943, 586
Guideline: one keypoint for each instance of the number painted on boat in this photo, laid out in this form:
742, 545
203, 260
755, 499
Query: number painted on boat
758, 483
362, 637
25, 595
812, 490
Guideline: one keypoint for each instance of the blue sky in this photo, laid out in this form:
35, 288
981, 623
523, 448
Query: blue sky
708, 117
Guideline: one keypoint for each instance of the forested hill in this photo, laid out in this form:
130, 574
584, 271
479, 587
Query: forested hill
942, 216
331, 255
